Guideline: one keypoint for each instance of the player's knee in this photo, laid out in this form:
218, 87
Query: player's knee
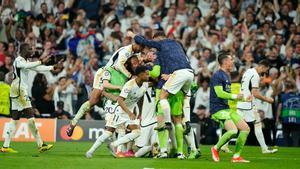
246, 128
29, 113
15, 115
110, 129
233, 132
109, 133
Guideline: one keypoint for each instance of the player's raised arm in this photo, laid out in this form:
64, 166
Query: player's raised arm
27, 65
141, 40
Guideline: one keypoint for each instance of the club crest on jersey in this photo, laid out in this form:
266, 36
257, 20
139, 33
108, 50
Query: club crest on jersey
106, 73
126, 90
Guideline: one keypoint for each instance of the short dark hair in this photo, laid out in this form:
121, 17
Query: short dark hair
222, 55
140, 69
140, 10
24, 47
201, 107
264, 62
159, 34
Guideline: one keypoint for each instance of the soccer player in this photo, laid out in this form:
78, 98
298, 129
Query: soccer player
20, 101
113, 81
147, 141
117, 61
250, 86
131, 93
232, 122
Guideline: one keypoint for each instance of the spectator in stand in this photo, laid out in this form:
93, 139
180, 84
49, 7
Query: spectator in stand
60, 113
42, 95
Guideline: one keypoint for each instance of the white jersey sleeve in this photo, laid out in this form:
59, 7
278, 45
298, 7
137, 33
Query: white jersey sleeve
124, 55
22, 63
126, 89
119, 58
42, 68
106, 75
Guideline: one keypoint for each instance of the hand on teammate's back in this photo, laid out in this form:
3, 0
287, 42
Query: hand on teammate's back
130, 34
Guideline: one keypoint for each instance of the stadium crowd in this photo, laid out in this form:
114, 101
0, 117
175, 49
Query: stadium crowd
85, 33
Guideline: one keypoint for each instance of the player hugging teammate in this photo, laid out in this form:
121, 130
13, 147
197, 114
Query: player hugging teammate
144, 114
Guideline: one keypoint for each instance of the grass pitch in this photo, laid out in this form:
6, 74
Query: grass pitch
71, 155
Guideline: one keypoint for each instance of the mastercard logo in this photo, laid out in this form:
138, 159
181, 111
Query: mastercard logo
77, 134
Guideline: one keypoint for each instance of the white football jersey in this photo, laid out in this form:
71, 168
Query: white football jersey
250, 80
119, 58
133, 93
21, 69
148, 115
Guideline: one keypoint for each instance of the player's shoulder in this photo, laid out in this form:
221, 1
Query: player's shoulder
127, 48
19, 58
217, 74
130, 83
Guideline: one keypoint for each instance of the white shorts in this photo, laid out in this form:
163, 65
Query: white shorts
180, 79
249, 115
97, 83
110, 110
148, 136
119, 118
20, 99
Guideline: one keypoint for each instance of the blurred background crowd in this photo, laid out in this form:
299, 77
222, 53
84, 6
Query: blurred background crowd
87, 32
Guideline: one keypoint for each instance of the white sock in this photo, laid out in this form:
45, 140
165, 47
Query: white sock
128, 137
172, 137
259, 135
191, 140
35, 132
165, 106
121, 133
187, 109
129, 146
142, 151
105, 135
10, 131
83, 108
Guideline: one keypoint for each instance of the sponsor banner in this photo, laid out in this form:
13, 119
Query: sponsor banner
90, 130
47, 128
52, 130
86, 130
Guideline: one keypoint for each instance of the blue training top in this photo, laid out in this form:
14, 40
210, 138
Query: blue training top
220, 78
169, 52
